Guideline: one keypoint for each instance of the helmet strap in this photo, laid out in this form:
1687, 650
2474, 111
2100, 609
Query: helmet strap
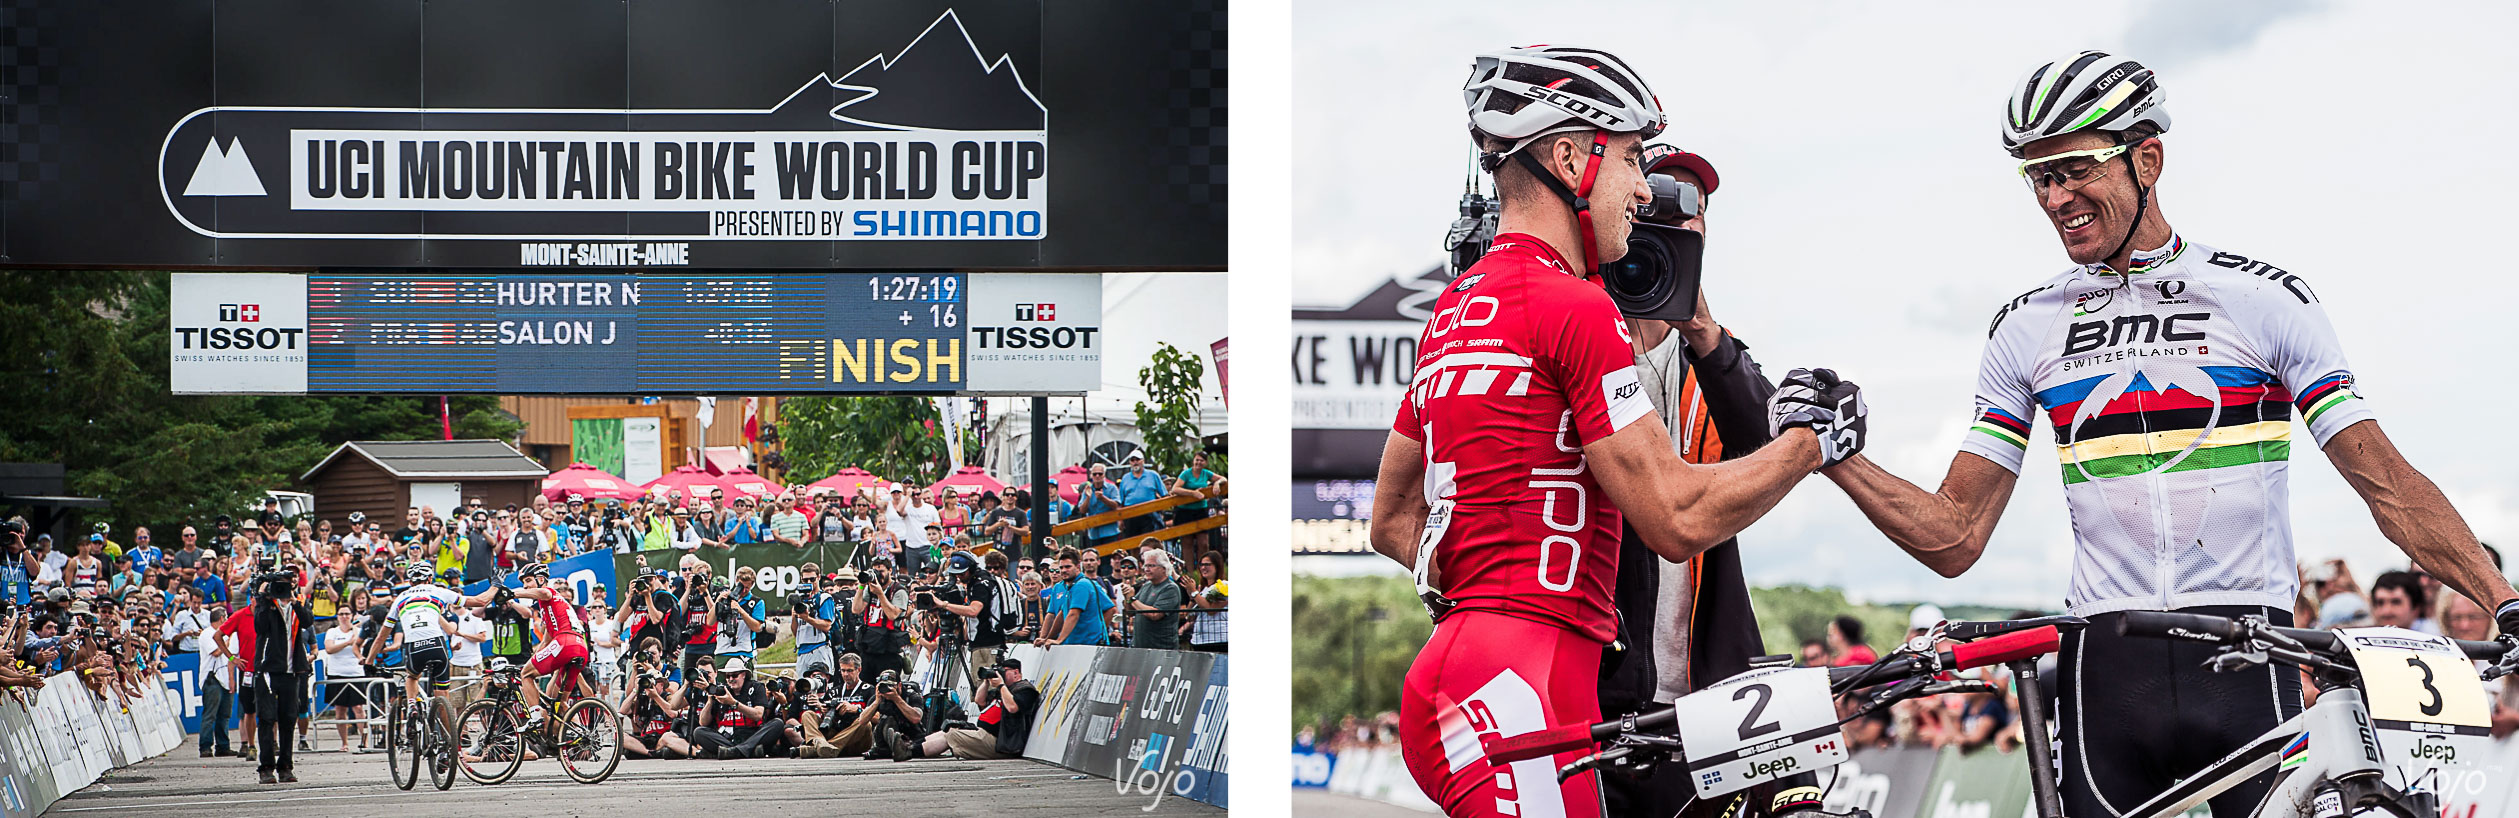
2142, 203
1577, 198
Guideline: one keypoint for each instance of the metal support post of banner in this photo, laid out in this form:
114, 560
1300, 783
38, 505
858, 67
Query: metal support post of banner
1043, 498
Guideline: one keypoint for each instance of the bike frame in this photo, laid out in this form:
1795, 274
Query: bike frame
2347, 749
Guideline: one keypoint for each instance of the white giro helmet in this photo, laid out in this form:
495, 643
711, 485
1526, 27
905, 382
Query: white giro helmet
2089, 91
1521, 94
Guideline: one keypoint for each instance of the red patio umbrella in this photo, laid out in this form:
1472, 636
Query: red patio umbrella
589, 482
1069, 480
969, 480
846, 483
743, 482
693, 482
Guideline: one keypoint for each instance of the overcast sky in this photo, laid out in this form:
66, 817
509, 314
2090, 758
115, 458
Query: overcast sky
1869, 220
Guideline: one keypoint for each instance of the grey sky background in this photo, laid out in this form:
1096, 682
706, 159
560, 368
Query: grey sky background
1869, 220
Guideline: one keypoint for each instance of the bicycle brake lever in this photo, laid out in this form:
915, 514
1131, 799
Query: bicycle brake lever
1956, 686
2234, 660
1579, 765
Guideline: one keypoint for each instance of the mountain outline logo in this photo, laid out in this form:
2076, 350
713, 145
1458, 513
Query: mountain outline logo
224, 171
935, 139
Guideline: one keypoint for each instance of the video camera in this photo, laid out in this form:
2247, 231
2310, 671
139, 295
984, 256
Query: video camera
924, 596
1658, 277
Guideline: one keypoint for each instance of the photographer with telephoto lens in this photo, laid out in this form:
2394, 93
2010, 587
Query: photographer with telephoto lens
735, 719
880, 608
739, 615
1004, 726
812, 609
848, 715
897, 719
653, 705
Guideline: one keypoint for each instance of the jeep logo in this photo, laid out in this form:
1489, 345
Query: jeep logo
2085, 336
1763, 769
2424, 749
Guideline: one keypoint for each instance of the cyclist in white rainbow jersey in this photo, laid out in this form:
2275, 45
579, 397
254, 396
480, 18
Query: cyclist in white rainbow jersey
2170, 372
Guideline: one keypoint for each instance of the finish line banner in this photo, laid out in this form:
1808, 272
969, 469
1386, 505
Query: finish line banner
622, 334
799, 134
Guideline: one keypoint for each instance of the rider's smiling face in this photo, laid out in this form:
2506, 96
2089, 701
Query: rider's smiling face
2093, 220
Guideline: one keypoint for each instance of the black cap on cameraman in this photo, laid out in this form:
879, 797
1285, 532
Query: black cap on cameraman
1011, 662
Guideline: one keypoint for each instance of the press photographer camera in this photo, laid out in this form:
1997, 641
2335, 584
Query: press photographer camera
899, 719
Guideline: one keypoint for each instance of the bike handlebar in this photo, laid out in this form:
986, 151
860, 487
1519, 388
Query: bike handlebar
2224, 630
1554, 740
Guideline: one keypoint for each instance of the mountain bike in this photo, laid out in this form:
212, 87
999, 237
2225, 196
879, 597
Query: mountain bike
582, 731
1773, 722
2393, 701
414, 733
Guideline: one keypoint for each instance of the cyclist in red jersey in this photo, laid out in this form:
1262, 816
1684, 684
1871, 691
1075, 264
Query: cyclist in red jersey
562, 653
1516, 453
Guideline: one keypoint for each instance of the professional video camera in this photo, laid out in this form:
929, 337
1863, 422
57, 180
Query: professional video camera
1658, 277
924, 596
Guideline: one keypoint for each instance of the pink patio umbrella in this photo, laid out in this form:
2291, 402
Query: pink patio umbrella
692, 482
589, 482
969, 481
847, 483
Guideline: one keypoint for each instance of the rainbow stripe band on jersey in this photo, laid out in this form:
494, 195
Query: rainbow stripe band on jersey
2328, 393
2002, 426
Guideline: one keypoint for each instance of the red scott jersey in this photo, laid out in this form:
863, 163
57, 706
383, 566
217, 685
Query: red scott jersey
559, 616
1523, 366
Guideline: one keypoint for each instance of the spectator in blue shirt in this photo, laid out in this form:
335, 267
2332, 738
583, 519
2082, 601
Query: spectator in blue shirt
1100, 495
1088, 606
144, 553
210, 587
1140, 485
742, 527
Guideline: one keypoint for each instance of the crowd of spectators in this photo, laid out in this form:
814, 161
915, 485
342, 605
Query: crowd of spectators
900, 653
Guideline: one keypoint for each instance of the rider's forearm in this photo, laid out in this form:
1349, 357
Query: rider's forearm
1929, 526
1680, 522
2413, 513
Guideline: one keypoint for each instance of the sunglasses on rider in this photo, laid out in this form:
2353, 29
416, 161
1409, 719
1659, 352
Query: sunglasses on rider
2072, 169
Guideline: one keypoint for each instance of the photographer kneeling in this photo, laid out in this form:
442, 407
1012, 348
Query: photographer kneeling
1004, 727
735, 722
892, 720
653, 705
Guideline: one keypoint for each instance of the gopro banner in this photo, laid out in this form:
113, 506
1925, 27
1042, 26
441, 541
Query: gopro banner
971, 134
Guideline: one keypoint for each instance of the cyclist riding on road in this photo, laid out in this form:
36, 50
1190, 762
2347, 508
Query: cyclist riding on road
1517, 451
418, 623
2170, 372
562, 653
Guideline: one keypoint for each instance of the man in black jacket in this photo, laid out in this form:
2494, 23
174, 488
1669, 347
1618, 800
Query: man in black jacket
1687, 625
283, 656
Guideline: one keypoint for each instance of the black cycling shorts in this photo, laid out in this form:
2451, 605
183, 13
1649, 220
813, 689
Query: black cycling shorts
428, 660
2138, 714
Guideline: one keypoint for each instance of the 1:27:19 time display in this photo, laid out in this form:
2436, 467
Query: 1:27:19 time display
914, 288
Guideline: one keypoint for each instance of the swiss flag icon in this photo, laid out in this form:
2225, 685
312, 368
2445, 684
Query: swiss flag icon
1045, 312
240, 312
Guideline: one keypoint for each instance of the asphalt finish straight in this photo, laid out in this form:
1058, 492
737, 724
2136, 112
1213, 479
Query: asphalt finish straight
338, 785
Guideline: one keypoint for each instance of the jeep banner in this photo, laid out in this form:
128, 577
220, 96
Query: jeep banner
806, 134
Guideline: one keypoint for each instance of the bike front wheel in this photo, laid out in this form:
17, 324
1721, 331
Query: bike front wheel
441, 744
589, 745
402, 747
488, 742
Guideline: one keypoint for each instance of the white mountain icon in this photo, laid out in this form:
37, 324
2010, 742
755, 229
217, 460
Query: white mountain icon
224, 172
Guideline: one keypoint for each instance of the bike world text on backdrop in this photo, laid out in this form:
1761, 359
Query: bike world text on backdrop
642, 134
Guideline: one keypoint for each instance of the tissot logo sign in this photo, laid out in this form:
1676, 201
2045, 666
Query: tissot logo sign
1054, 335
220, 343
941, 139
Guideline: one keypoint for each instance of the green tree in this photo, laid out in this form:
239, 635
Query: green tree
895, 437
1346, 659
89, 369
1169, 424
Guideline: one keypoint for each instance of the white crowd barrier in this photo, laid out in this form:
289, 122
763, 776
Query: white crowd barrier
69, 737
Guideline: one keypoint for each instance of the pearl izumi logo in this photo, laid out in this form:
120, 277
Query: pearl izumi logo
941, 139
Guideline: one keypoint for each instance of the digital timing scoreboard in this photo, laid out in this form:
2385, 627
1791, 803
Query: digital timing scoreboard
650, 333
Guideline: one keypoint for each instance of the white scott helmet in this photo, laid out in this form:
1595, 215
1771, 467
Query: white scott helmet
1521, 94
2089, 91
